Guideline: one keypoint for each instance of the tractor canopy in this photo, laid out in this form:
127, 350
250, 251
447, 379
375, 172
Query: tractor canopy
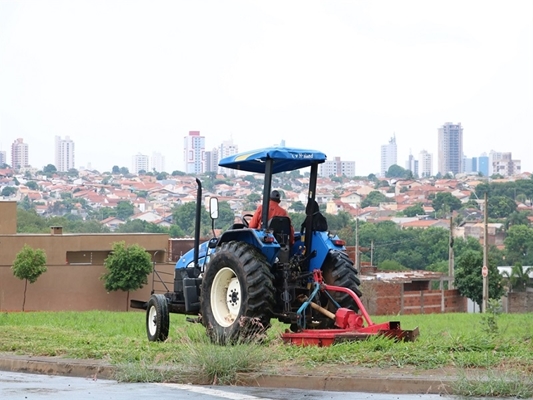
283, 159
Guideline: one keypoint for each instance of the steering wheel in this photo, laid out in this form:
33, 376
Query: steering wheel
246, 219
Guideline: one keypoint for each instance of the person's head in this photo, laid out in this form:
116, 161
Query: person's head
274, 195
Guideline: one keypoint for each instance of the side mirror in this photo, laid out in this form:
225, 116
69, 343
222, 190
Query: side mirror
213, 207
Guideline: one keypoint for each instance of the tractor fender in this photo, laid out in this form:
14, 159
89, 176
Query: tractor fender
322, 244
256, 238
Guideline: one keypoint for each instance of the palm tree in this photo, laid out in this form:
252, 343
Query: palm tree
518, 279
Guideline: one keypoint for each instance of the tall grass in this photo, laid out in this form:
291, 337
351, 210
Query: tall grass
446, 340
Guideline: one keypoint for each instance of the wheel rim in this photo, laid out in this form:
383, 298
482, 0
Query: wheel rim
226, 297
152, 320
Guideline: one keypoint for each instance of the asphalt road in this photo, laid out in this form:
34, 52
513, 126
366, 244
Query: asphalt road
26, 386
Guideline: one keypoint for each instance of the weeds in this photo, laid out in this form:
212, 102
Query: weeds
188, 356
514, 385
489, 318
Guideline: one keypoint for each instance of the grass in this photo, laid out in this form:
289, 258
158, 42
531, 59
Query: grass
459, 341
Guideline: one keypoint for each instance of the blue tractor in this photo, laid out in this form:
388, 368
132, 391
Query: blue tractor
238, 282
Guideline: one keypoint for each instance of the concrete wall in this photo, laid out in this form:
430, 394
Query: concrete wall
75, 265
70, 288
520, 302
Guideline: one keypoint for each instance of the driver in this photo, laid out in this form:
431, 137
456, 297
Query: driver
274, 210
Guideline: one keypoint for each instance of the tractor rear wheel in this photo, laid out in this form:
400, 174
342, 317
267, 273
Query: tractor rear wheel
157, 318
338, 270
237, 294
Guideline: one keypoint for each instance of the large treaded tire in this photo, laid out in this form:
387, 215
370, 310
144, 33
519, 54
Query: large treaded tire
157, 318
339, 270
237, 295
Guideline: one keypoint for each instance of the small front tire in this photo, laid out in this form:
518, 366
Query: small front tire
157, 318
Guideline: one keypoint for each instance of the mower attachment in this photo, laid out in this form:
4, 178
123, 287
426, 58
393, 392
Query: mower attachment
350, 325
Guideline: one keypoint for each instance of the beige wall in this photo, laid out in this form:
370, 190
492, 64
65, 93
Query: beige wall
70, 288
8, 217
75, 265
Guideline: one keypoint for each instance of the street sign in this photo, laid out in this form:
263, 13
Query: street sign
484, 271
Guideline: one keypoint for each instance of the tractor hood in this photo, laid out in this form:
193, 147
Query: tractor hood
284, 159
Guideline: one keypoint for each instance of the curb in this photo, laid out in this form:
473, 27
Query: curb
357, 382
369, 384
57, 366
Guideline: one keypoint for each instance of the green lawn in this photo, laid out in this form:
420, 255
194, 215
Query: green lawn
446, 340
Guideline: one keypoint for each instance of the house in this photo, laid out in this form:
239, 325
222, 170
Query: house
426, 223
496, 235
112, 223
354, 199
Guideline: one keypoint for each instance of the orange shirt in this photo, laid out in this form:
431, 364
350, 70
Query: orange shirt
274, 210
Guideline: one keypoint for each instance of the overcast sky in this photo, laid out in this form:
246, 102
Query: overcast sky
343, 77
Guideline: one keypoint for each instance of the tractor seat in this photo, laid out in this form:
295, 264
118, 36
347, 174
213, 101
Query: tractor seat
281, 228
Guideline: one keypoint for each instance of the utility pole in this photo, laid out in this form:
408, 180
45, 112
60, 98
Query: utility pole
372, 253
485, 269
451, 257
357, 264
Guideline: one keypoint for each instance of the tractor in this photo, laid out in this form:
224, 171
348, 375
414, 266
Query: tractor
236, 283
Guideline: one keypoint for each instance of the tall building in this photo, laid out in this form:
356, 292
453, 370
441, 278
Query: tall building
140, 162
412, 165
3, 158
483, 164
19, 154
504, 165
425, 164
211, 160
64, 154
194, 153
469, 164
389, 154
226, 149
450, 148
336, 167
158, 162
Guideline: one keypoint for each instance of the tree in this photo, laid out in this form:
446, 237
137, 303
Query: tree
373, 199
469, 281
391, 265
115, 170
161, 176
8, 191
519, 245
297, 206
517, 218
414, 210
32, 185
124, 171
500, 206
49, 170
184, 216
251, 201
29, 264
73, 172
226, 216
395, 171
124, 210
446, 202
518, 279
127, 268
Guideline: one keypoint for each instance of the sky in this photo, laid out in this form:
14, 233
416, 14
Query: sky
127, 77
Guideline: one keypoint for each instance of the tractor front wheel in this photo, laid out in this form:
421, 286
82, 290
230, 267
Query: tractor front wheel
237, 294
157, 318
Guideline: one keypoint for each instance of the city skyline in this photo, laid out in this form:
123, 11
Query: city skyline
339, 77
489, 163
